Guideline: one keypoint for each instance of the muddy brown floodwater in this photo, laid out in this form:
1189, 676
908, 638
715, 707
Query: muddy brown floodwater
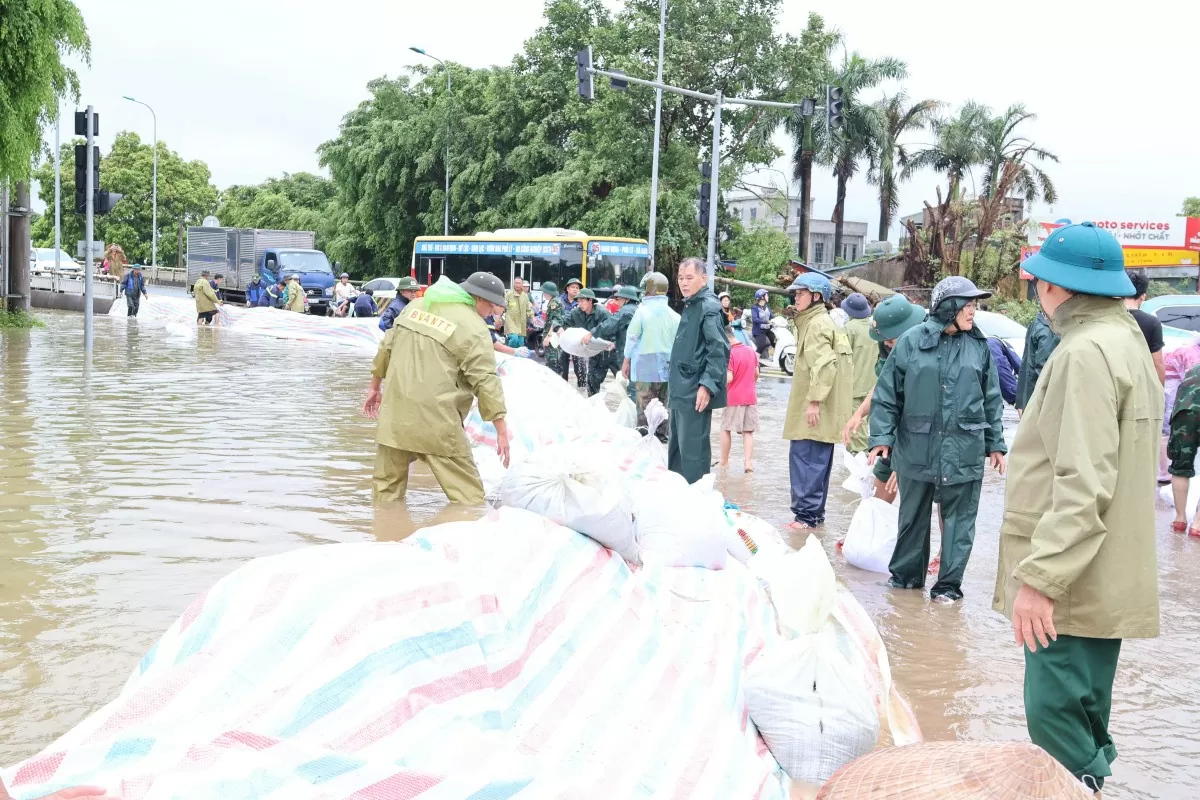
129, 488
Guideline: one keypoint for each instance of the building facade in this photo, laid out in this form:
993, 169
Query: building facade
773, 209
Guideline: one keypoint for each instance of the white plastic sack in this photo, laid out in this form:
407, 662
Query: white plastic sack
571, 342
861, 480
618, 392
871, 538
649, 457
678, 525
801, 584
570, 488
811, 706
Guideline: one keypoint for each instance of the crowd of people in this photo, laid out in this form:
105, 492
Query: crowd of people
921, 392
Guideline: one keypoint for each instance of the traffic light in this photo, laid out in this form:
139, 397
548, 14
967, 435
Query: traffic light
834, 107
81, 175
617, 83
583, 73
105, 200
705, 193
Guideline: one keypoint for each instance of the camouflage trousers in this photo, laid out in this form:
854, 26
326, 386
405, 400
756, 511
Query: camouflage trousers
645, 392
1184, 441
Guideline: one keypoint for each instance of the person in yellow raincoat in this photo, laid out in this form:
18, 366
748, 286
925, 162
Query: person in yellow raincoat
820, 401
865, 354
296, 300
433, 362
206, 299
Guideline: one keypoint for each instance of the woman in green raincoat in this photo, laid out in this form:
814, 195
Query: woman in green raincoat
936, 412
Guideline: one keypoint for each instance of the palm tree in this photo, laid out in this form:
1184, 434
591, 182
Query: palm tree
957, 147
895, 117
842, 150
1000, 144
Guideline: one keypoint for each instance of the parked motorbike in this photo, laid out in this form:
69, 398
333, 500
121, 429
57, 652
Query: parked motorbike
785, 345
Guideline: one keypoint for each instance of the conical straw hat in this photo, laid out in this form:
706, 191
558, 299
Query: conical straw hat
955, 771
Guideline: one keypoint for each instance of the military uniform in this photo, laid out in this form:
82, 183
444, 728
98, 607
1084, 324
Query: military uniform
615, 329
565, 360
433, 362
937, 405
1040, 342
699, 357
597, 366
555, 314
823, 374
1185, 426
865, 357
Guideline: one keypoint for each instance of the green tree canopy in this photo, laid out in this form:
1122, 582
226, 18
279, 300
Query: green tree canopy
762, 255
294, 202
526, 151
34, 36
185, 195
1191, 207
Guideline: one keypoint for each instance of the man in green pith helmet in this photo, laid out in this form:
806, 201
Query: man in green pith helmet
1078, 569
587, 315
892, 318
614, 329
937, 412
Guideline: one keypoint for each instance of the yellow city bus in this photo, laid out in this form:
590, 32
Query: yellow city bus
536, 255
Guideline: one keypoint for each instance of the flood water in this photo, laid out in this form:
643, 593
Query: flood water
129, 486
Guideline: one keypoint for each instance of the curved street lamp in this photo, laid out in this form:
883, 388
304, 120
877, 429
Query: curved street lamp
446, 222
154, 201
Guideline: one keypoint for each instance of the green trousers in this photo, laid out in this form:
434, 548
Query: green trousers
689, 449
910, 559
458, 477
1068, 698
858, 442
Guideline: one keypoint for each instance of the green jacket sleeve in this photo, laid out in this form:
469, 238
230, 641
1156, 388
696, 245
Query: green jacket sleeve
993, 408
573, 319
477, 362
1078, 424
608, 327
716, 346
887, 401
820, 359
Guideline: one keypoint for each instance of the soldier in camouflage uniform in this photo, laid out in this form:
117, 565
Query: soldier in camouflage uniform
555, 313
1182, 447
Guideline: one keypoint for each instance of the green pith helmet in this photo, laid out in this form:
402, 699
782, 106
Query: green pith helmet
407, 284
1082, 258
629, 293
486, 286
575, 281
893, 317
548, 287
585, 294
655, 283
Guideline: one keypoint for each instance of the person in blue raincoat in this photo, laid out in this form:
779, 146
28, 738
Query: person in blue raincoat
256, 292
936, 412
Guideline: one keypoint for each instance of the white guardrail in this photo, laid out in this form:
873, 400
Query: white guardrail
68, 283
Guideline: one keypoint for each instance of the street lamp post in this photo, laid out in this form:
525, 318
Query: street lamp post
662, 34
449, 97
154, 201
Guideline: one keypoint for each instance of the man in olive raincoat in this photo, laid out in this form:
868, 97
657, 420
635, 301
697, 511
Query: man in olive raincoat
588, 314
891, 319
697, 382
1078, 569
937, 412
865, 357
614, 329
1040, 342
820, 401
434, 361
517, 314
296, 301
206, 300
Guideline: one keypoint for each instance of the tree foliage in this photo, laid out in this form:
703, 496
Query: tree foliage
294, 202
762, 255
185, 196
889, 154
1191, 207
527, 152
34, 37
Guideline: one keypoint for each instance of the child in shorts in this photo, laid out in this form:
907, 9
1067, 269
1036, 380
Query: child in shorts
740, 414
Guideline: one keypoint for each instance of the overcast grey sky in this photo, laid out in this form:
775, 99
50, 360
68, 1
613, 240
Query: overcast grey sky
252, 87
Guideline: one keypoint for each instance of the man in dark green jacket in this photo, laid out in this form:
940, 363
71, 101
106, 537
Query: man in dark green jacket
1040, 342
696, 385
588, 314
937, 412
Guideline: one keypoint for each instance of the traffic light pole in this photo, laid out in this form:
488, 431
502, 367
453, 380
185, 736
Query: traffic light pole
89, 195
718, 100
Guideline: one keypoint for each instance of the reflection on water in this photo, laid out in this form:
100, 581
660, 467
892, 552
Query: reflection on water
128, 490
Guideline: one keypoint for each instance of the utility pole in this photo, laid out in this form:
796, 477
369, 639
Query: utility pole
806, 159
154, 190
584, 69
89, 209
662, 35
4, 260
19, 245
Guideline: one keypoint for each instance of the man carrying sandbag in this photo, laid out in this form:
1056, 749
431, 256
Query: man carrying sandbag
588, 314
696, 387
1078, 570
614, 329
435, 359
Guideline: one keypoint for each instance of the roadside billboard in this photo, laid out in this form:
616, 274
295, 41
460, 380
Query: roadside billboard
1147, 242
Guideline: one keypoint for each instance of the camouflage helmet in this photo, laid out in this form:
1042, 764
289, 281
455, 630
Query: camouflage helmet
655, 283
955, 286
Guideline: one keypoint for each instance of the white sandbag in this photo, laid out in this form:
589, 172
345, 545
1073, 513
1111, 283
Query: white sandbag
618, 392
871, 538
678, 526
567, 486
861, 480
571, 342
801, 584
758, 535
811, 707
649, 457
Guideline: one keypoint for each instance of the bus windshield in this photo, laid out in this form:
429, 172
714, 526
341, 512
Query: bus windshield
605, 272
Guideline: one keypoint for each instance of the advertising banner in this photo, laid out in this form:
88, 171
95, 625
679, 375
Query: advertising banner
1162, 242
